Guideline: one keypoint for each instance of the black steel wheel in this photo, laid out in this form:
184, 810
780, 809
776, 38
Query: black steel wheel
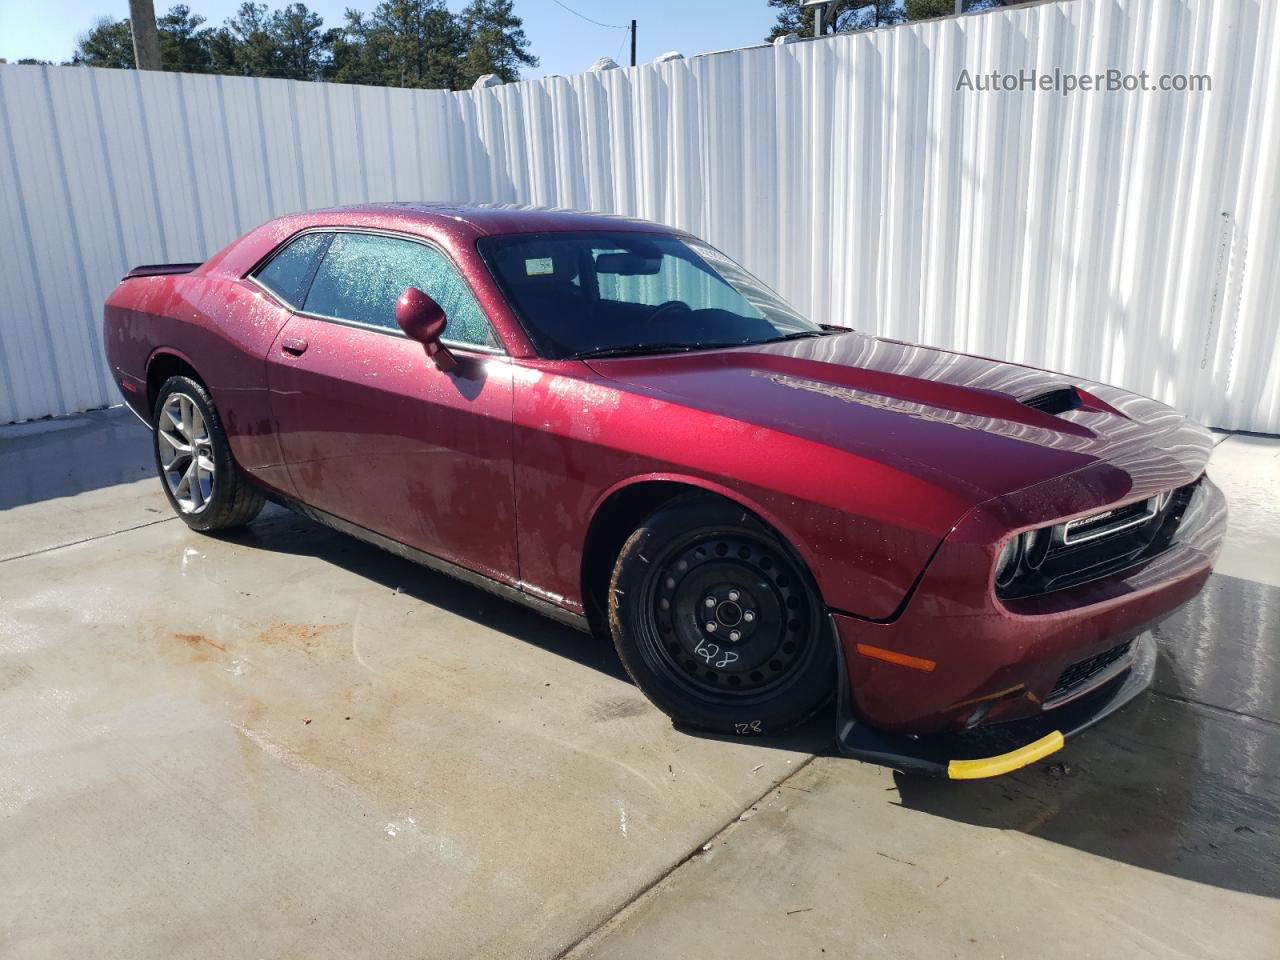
718, 621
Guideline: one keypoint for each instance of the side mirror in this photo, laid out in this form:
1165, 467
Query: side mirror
422, 319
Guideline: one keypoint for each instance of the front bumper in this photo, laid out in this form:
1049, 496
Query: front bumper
1001, 748
961, 677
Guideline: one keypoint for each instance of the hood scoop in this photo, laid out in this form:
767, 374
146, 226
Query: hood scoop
1054, 402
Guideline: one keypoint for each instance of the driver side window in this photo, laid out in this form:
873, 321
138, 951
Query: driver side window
362, 275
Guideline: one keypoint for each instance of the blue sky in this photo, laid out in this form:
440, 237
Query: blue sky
48, 29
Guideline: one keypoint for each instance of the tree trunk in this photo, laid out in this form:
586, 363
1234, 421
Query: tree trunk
146, 41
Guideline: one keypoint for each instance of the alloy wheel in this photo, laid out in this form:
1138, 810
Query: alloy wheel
186, 453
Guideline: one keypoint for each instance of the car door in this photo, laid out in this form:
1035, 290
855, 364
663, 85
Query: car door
372, 431
266, 304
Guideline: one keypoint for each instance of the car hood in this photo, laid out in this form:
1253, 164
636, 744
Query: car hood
977, 427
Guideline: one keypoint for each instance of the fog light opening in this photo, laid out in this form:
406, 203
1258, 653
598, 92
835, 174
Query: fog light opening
978, 715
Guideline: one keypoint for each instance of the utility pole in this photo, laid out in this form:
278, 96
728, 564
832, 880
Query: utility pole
633, 43
146, 42
821, 10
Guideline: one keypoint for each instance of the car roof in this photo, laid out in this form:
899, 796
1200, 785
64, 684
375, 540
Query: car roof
499, 218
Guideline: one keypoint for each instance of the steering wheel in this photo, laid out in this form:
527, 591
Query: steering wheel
669, 307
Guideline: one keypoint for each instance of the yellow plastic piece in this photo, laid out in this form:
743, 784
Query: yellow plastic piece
994, 766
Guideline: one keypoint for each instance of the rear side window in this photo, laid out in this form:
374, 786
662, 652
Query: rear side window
286, 274
362, 276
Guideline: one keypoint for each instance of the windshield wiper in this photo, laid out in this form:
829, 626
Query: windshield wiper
635, 349
798, 335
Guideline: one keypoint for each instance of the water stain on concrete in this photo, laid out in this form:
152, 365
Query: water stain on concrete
14, 676
305, 636
301, 636
199, 645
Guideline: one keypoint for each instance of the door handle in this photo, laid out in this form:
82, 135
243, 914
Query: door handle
294, 346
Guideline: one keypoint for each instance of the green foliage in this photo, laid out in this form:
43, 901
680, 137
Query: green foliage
496, 41
402, 43
257, 42
928, 9
300, 40
246, 43
409, 43
182, 43
109, 43
793, 17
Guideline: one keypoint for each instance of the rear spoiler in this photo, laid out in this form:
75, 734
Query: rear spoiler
161, 270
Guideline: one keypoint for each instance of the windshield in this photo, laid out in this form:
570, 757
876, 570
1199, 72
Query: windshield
612, 292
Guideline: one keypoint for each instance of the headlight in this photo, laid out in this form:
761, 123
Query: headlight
1035, 546
1007, 564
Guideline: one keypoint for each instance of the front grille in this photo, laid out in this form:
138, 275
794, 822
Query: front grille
1109, 522
1079, 674
1102, 544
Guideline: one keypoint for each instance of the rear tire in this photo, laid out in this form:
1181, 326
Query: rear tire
198, 474
718, 621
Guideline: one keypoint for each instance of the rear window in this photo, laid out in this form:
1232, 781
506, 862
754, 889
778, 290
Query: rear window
287, 273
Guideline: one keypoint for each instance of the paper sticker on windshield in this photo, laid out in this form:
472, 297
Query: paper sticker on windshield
539, 267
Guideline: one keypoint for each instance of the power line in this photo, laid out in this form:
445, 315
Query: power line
607, 26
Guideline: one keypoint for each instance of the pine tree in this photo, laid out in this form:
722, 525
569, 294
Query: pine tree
183, 45
302, 49
402, 43
244, 43
108, 43
496, 41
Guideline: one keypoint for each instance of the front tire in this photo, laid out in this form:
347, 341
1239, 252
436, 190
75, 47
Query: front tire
718, 621
193, 458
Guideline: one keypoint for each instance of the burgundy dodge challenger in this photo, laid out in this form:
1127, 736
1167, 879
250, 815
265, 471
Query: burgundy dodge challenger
613, 422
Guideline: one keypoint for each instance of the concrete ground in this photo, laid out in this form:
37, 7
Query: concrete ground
285, 743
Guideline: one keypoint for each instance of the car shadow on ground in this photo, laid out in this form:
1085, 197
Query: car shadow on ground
1185, 780
279, 530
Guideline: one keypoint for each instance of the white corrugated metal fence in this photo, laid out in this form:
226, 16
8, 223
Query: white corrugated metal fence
1131, 237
